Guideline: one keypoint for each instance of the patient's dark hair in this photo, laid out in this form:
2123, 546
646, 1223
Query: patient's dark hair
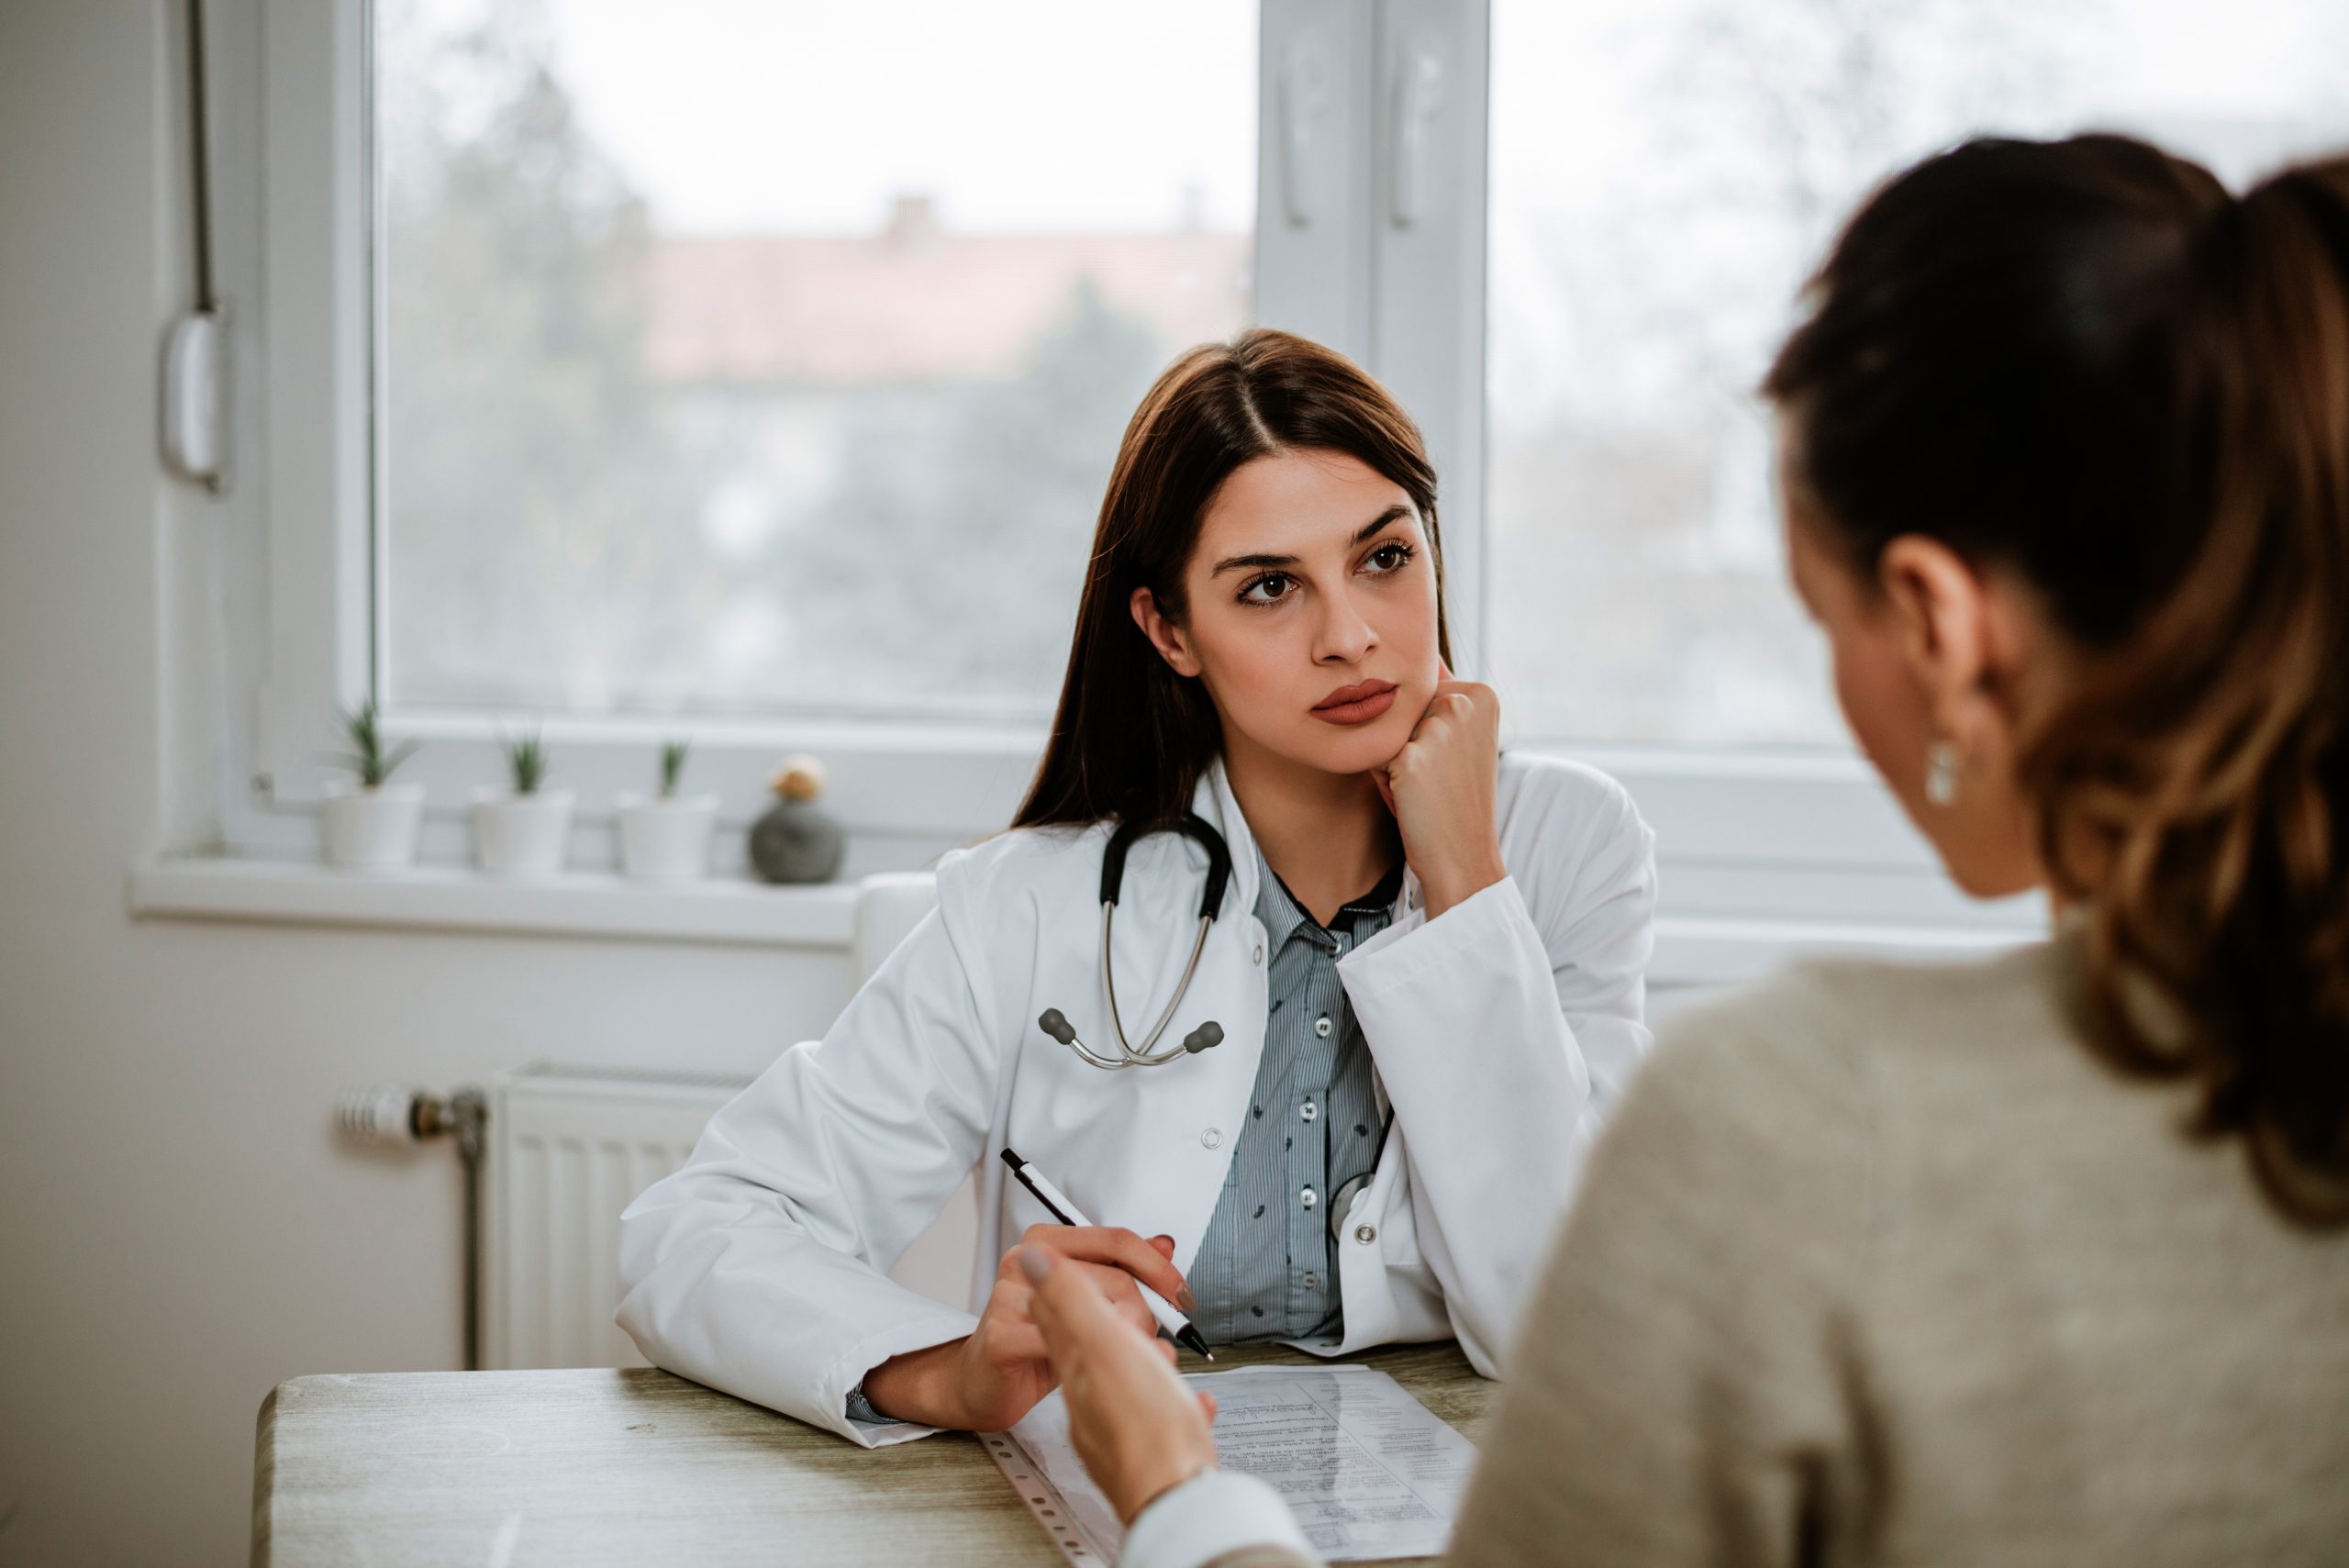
2085, 362
1131, 736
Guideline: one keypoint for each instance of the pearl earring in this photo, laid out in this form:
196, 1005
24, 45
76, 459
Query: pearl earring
1941, 772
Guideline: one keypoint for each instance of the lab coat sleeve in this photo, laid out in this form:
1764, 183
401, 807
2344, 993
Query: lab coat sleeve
758, 1268
1503, 1037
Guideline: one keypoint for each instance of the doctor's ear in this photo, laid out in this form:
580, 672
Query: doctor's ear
1164, 634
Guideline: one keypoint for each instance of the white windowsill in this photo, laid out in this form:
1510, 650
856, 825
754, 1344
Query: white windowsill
1695, 952
578, 904
731, 912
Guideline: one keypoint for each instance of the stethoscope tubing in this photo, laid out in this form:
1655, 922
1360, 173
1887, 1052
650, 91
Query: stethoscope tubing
1142, 1055
1113, 873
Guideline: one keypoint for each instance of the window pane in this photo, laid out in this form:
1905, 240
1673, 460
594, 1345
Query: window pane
1665, 173
745, 355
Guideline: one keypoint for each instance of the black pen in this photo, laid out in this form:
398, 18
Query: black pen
1178, 1328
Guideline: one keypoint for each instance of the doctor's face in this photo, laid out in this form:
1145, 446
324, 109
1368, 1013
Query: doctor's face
1310, 612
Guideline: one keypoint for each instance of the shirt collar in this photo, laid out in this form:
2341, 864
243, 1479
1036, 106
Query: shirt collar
1212, 799
1283, 915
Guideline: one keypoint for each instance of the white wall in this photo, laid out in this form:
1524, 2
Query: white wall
178, 1231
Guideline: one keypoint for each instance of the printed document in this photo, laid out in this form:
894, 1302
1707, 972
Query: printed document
1368, 1470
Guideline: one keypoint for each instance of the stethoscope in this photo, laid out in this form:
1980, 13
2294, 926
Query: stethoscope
1113, 877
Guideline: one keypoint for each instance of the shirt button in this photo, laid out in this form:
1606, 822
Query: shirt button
1309, 1198
1211, 1138
1366, 1234
1309, 1111
1321, 1026
1313, 1281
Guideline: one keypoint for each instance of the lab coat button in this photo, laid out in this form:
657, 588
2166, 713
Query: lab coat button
1366, 1234
1258, 956
1321, 1026
1309, 1198
1211, 1138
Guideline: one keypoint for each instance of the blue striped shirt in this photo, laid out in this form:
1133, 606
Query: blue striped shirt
1266, 1268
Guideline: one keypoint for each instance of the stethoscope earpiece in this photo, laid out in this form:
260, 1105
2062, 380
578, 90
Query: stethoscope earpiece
1206, 1034
1053, 1024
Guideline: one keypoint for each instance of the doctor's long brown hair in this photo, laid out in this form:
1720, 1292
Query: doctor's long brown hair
2085, 362
1131, 738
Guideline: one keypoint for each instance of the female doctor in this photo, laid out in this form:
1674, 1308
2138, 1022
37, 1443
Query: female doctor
1426, 969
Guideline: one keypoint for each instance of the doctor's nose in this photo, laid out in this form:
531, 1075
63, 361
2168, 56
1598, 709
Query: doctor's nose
1344, 637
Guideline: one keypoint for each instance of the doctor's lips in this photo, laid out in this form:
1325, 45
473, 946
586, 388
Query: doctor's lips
1356, 704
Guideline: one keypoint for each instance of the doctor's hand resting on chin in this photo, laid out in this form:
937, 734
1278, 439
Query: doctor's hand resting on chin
1439, 787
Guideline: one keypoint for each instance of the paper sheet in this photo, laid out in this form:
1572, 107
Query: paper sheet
1368, 1470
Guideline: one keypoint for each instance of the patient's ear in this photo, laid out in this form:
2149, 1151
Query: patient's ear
1164, 634
1940, 606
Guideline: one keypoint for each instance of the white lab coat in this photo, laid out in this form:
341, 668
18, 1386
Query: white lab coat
1500, 1033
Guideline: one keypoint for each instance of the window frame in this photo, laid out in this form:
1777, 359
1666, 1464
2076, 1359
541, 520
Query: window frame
1745, 836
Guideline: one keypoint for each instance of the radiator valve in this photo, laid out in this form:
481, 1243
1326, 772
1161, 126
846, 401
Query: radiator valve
412, 1116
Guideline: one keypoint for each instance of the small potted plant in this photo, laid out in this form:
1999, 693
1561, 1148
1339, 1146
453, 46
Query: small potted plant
368, 822
666, 837
522, 831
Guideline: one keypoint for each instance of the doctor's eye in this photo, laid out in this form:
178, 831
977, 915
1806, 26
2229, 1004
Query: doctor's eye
1276, 586
1390, 557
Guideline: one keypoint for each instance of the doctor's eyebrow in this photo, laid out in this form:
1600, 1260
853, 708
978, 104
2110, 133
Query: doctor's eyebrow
1238, 563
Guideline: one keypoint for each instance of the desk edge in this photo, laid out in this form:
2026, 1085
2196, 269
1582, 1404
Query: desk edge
264, 1474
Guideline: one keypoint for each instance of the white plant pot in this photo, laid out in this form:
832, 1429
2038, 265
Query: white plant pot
521, 834
370, 830
666, 839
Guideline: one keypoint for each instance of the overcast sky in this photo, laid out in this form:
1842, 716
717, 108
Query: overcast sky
1017, 115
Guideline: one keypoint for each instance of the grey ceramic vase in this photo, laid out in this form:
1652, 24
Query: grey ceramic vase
798, 841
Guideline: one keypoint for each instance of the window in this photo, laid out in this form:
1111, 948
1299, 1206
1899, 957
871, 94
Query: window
1665, 173
751, 358
751, 370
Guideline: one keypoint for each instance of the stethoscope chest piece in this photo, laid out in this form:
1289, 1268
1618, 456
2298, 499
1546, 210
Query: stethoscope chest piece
1113, 875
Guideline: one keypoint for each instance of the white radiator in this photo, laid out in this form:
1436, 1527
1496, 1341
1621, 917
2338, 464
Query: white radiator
569, 1149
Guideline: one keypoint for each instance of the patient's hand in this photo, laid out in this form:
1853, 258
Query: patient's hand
987, 1381
1138, 1428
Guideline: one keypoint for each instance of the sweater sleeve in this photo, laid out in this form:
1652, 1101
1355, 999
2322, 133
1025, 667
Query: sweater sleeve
1679, 1393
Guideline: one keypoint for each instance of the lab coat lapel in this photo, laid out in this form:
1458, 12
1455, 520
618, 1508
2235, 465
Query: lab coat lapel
1149, 1148
1214, 803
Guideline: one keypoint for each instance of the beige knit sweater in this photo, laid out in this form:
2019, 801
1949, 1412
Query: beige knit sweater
1879, 1264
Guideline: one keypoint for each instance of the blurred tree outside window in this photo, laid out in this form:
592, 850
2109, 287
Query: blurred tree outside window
768, 358
1665, 174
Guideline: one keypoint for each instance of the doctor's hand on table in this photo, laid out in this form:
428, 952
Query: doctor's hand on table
1441, 788
987, 1381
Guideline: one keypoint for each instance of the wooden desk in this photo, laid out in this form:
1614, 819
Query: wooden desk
509, 1469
